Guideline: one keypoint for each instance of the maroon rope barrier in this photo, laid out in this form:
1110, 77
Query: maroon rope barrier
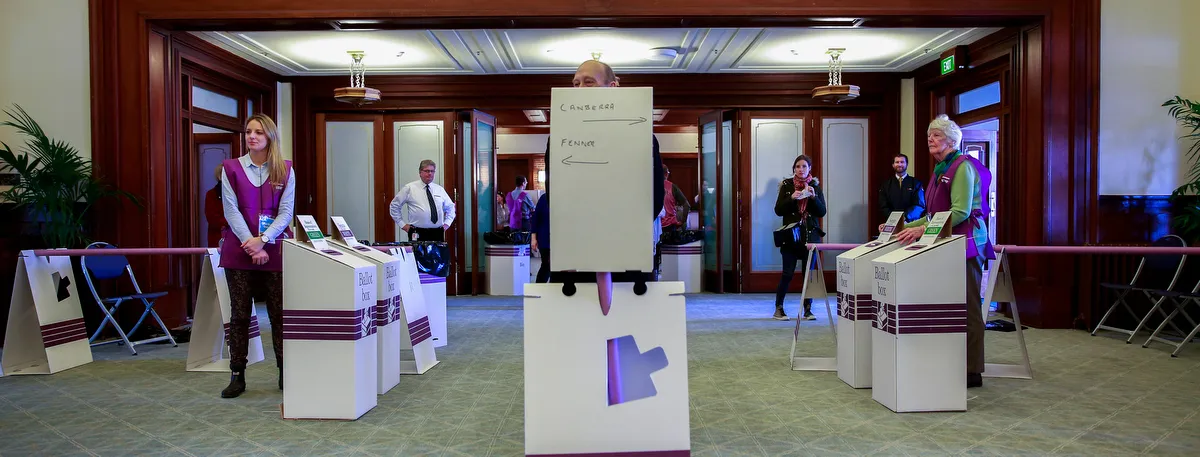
119, 251
1077, 250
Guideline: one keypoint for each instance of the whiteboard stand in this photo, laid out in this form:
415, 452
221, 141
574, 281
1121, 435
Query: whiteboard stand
1000, 290
209, 346
615, 383
45, 333
814, 288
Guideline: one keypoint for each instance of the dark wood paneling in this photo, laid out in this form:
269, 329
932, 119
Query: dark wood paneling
1053, 120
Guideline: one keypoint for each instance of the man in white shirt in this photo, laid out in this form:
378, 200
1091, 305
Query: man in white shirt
430, 209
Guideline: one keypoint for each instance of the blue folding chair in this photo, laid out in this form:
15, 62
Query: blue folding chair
105, 267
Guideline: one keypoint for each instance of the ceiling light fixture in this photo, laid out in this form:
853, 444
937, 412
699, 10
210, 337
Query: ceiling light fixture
663, 53
358, 94
835, 92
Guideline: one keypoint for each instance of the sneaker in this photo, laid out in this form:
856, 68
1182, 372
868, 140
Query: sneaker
779, 315
809, 317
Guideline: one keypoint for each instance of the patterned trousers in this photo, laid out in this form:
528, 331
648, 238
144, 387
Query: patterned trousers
244, 286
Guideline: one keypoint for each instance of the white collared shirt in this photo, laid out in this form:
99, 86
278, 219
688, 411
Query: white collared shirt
412, 197
257, 176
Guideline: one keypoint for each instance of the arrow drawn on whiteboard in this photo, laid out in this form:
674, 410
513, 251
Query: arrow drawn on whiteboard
636, 121
568, 161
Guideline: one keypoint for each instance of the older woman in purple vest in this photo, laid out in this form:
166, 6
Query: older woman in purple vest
960, 184
258, 195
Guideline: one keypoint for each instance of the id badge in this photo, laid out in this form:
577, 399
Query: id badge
264, 222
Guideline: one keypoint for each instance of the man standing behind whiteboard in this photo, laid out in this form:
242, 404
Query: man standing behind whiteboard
430, 209
594, 73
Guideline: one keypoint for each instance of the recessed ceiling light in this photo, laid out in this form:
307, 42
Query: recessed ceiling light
663, 53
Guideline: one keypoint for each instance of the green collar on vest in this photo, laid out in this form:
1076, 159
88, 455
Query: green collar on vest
941, 167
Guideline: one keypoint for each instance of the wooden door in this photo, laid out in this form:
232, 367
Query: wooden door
211, 150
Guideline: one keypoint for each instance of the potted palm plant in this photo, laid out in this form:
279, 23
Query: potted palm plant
1184, 198
54, 185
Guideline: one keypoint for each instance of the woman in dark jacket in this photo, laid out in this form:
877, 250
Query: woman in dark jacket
800, 200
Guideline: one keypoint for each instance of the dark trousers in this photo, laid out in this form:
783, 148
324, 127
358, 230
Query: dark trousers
427, 234
244, 285
543, 274
974, 315
790, 257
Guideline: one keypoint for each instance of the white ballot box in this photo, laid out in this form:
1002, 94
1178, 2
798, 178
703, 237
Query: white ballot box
416, 344
45, 332
434, 289
683, 263
856, 311
508, 269
387, 329
856, 307
329, 340
919, 339
597, 384
209, 346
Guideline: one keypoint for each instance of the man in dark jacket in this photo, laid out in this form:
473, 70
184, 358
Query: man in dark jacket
902, 192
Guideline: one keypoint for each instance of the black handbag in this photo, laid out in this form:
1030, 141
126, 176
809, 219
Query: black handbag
789, 234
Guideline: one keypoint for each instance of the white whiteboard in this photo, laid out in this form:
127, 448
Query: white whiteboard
600, 163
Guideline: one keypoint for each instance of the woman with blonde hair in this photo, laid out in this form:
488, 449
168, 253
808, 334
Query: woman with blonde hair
961, 190
258, 195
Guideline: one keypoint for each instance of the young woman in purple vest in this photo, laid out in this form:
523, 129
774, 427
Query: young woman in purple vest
258, 195
800, 200
959, 185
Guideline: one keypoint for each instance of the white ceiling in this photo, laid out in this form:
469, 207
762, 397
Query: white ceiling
525, 51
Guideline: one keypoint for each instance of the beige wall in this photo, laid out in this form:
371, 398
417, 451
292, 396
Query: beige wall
45, 68
908, 111
1149, 52
283, 103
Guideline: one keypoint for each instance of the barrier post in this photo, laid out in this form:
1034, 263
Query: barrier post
45, 332
1000, 290
210, 322
814, 288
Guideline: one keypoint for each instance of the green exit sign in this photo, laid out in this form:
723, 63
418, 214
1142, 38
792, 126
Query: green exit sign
948, 64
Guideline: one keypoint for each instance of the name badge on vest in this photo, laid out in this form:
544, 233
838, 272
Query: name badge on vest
264, 222
944, 179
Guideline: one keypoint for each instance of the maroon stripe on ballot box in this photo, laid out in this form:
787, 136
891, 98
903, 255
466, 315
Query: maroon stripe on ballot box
515, 251
921, 318
419, 331
431, 279
682, 250
397, 310
340, 325
383, 312
63, 332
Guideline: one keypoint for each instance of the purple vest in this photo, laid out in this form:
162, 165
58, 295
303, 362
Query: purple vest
515, 214
938, 197
252, 201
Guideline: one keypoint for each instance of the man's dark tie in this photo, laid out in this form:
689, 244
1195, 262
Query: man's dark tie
433, 210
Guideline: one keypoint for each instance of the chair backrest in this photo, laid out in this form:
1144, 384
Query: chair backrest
103, 266
1160, 271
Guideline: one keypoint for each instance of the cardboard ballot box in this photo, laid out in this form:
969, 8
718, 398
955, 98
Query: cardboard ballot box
919, 340
683, 263
434, 290
388, 327
856, 311
508, 269
329, 340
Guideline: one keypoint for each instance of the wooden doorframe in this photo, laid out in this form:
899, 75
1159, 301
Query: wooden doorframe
475, 276
717, 117
749, 279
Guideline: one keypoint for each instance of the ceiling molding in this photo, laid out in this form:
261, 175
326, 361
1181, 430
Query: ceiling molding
558, 51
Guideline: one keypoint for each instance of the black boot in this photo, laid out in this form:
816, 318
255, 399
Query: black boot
237, 385
808, 315
974, 380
